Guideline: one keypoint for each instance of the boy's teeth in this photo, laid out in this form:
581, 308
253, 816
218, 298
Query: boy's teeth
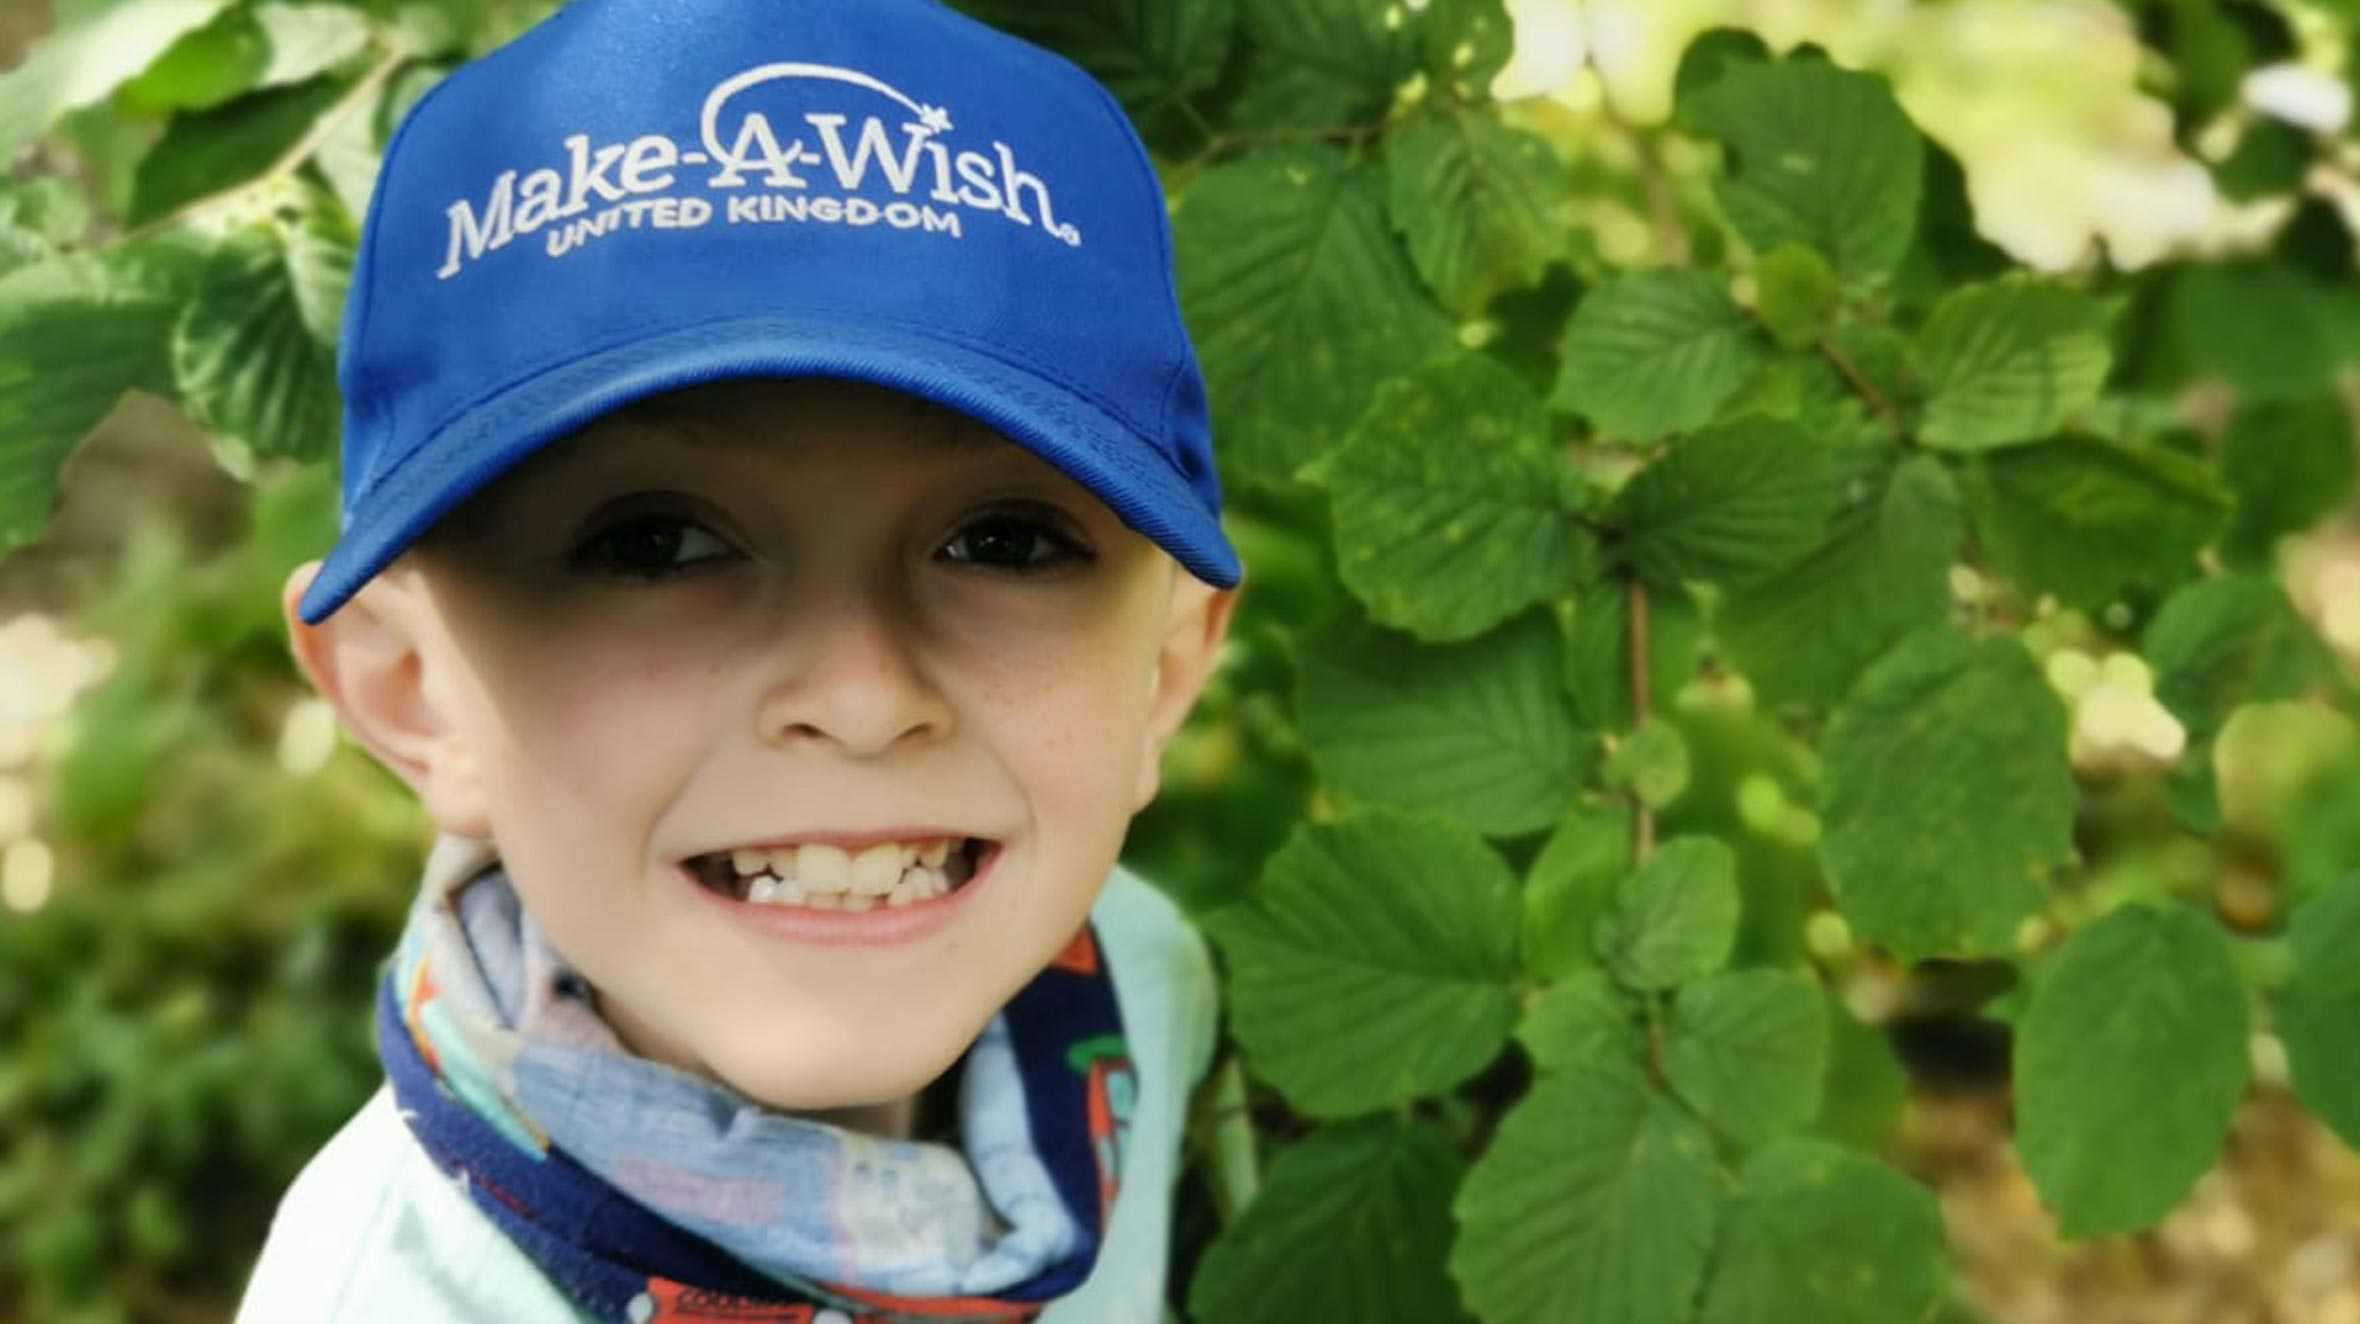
824, 877
877, 869
824, 868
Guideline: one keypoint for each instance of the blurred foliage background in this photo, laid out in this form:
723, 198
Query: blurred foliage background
198, 876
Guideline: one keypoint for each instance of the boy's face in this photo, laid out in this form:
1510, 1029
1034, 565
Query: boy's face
771, 613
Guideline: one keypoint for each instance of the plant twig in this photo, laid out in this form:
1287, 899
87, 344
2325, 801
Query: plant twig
362, 93
1642, 817
1663, 209
1861, 384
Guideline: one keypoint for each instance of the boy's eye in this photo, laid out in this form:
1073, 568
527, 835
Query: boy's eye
1012, 541
650, 547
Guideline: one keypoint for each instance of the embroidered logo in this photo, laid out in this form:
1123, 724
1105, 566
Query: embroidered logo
756, 163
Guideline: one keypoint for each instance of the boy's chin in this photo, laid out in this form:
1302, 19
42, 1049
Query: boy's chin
851, 1089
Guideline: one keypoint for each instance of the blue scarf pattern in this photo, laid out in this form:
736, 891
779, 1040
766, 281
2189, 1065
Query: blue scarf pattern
651, 1196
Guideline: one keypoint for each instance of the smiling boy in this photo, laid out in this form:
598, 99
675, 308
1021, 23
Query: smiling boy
777, 558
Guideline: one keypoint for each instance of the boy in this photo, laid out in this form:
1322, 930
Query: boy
779, 539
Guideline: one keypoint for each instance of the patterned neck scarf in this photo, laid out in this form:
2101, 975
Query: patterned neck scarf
648, 1194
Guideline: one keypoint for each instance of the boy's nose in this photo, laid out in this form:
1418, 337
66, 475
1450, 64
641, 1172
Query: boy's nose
852, 681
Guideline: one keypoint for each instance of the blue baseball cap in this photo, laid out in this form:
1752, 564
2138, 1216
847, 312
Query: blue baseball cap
642, 195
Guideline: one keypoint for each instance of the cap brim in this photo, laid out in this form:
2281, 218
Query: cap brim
1061, 427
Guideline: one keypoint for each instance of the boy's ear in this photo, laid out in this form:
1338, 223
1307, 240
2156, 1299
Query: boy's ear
374, 663
1193, 631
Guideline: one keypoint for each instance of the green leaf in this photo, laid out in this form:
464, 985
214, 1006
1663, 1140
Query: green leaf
1352, 1222
1449, 516
1824, 1235
320, 252
1466, 44
49, 209
73, 339
1596, 1202
1819, 156
248, 363
21, 244
1477, 730
1948, 796
1155, 57
205, 153
1797, 294
2271, 158
2086, 519
1598, 651
1580, 1022
1374, 962
108, 147
1675, 920
2219, 643
2009, 362
1319, 64
307, 40
1481, 204
2319, 1009
445, 27
1883, 571
204, 68
1300, 301
1866, 1088
2290, 465
2258, 326
1571, 888
2142, 998
94, 47
1650, 763
1732, 504
2323, 833
1652, 352
1748, 1051
348, 157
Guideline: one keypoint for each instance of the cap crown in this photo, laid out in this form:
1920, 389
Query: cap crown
635, 169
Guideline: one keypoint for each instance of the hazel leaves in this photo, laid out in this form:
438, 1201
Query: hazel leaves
1375, 962
2143, 995
1452, 514
1949, 798
1352, 1223
1300, 299
1818, 156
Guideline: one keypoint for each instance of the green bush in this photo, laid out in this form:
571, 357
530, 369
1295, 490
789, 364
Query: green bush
1699, 567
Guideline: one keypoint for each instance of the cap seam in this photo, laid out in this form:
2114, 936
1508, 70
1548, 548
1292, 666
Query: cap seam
640, 331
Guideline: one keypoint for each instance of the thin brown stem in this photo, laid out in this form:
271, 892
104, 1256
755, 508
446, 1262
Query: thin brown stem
1663, 207
1861, 384
1642, 817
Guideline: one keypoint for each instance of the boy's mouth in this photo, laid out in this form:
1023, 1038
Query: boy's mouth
818, 876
